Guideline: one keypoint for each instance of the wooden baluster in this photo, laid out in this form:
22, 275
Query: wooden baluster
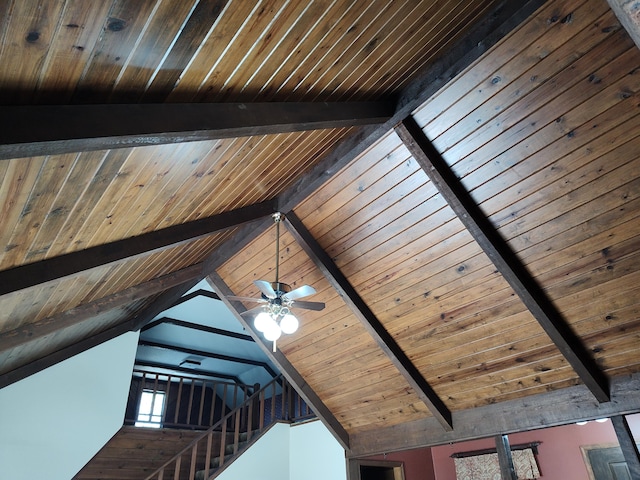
236, 433
190, 407
290, 405
273, 402
176, 471
262, 409
204, 389
160, 474
223, 441
224, 401
212, 412
179, 399
153, 397
166, 399
249, 419
194, 459
207, 459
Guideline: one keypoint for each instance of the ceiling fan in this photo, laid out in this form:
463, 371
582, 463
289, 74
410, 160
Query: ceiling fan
274, 317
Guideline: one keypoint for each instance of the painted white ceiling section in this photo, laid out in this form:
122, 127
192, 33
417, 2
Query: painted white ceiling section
54, 422
209, 312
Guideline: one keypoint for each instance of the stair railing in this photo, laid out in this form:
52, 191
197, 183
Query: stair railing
189, 401
217, 447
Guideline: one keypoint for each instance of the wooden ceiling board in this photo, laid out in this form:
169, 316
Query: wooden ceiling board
327, 359
541, 130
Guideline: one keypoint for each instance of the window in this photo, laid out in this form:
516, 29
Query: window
150, 409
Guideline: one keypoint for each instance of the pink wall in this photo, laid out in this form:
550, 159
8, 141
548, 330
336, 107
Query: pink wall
559, 455
418, 463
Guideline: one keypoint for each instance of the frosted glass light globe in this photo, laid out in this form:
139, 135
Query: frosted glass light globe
273, 332
261, 322
289, 324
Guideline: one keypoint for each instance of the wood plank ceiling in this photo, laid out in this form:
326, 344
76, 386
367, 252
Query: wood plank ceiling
422, 321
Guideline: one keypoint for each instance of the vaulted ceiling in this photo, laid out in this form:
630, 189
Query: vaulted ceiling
459, 182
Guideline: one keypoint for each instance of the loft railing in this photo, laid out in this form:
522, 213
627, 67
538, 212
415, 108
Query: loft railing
182, 401
217, 447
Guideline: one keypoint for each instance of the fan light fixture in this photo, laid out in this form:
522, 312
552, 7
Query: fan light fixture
274, 317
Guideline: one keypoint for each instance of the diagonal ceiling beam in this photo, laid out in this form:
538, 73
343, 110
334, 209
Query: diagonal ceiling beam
507, 263
162, 302
31, 274
370, 322
213, 355
31, 332
282, 364
549, 409
197, 293
28, 131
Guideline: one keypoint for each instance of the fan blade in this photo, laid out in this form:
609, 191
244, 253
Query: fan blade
317, 306
303, 291
266, 288
253, 311
247, 299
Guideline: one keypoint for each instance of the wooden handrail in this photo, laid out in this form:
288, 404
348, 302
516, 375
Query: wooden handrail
243, 423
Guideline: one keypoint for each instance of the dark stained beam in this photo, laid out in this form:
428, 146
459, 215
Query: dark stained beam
200, 328
28, 131
507, 472
213, 355
627, 444
65, 353
31, 274
34, 331
197, 293
507, 263
280, 361
162, 302
156, 367
370, 322
481, 37
549, 409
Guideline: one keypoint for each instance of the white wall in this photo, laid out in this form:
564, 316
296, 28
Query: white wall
267, 459
301, 452
48, 423
315, 454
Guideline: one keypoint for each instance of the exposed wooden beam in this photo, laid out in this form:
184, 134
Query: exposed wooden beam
156, 367
65, 353
29, 131
197, 293
549, 409
280, 361
212, 355
628, 13
162, 302
34, 331
507, 263
481, 37
31, 274
370, 322
200, 328
134, 323
507, 472
627, 445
